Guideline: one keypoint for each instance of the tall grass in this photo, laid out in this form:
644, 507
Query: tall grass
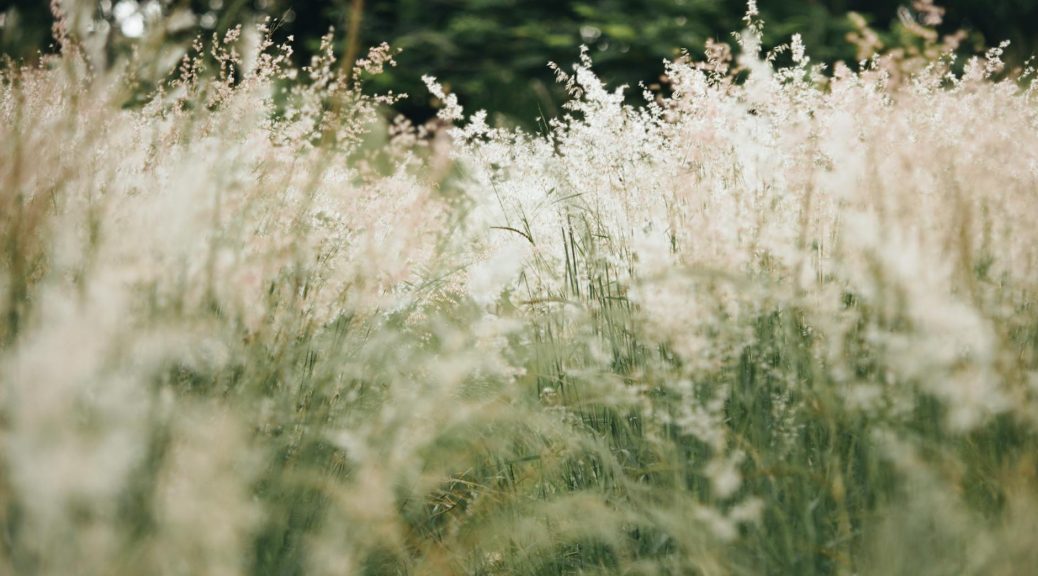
772, 321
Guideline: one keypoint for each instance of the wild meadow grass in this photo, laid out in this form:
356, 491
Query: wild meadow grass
774, 320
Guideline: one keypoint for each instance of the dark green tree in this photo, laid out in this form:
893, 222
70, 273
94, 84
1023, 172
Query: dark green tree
493, 53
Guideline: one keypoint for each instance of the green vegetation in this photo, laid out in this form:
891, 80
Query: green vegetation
492, 53
773, 321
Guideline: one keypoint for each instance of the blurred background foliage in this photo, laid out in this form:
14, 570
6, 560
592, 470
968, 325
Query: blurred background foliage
493, 53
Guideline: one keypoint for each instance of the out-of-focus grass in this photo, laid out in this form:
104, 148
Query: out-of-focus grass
784, 325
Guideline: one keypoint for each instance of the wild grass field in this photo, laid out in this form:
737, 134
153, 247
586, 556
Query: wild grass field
776, 319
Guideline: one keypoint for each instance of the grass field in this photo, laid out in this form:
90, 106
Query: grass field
774, 320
